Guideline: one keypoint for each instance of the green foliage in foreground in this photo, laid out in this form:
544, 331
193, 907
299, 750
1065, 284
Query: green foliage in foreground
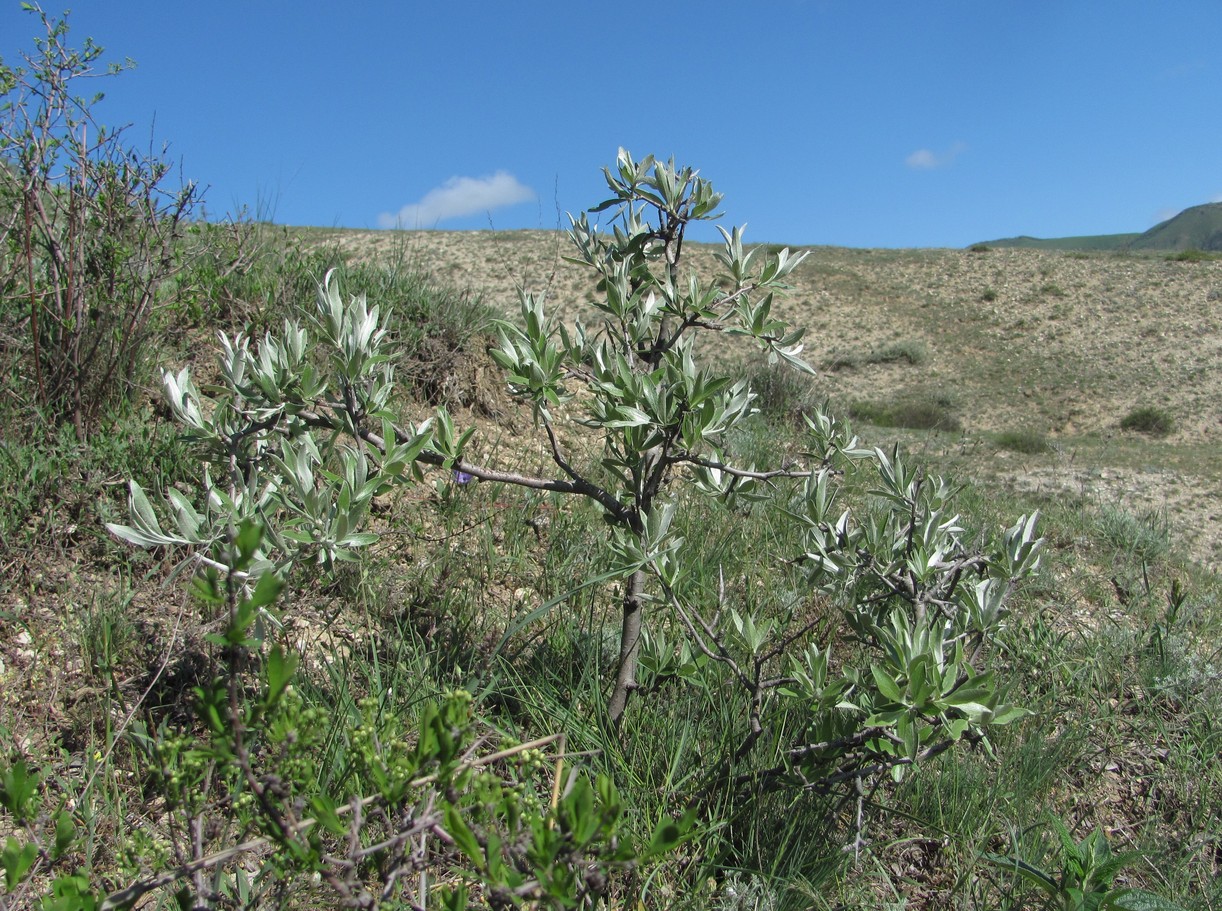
409, 801
1085, 880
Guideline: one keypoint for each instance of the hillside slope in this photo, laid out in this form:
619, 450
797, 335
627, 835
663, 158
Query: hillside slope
1046, 342
1198, 228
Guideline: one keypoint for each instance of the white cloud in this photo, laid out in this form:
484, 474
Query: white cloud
928, 159
459, 196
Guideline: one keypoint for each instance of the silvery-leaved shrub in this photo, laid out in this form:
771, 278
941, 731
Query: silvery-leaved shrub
298, 435
921, 597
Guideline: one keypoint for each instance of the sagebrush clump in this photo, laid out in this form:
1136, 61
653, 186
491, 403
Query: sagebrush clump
1149, 419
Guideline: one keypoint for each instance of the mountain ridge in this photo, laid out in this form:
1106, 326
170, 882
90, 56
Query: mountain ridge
1195, 228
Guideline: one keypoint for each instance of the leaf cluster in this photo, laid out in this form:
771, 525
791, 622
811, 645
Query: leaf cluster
1085, 877
273, 432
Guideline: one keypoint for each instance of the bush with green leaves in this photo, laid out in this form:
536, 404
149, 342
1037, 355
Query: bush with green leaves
1084, 879
918, 608
300, 432
652, 411
1149, 419
91, 235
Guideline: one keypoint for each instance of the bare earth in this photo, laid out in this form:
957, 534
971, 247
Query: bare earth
1057, 343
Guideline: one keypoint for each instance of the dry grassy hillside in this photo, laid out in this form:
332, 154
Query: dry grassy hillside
1052, 343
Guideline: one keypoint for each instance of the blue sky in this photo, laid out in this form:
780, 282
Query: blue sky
866, 124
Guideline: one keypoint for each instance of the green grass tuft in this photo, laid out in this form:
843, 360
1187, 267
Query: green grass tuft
781, 391
913, 414
1028, 442
1145, 537
1148, 419
910, 351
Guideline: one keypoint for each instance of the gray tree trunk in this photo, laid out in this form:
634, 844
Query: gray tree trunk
629, 646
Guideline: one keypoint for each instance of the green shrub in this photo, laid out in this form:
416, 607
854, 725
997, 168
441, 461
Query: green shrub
848, 360
911, 351
1191, 256
48, 483
912, 414
988, 295
925, 415
1028, 442
91, 259
245, 273
1148, 419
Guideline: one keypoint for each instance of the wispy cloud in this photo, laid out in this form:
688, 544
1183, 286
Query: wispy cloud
459, 196
928, 159
1190, 69
1169, 212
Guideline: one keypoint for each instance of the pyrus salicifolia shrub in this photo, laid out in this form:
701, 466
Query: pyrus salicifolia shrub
299, 435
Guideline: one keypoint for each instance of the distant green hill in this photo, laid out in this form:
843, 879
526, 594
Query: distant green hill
1087, 242
1197, 228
